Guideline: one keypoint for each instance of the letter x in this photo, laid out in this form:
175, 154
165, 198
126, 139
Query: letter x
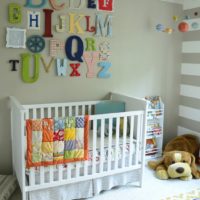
75, 69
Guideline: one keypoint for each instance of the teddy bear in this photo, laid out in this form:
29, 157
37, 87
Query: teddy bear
178, 160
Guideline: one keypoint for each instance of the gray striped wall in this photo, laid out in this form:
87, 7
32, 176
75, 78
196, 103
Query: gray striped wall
189, 109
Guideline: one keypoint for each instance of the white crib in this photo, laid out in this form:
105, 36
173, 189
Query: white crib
130, 146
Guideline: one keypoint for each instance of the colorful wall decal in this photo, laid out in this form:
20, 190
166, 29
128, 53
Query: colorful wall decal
61, 67
104, 73
104, 48
79, 6
105, 5
47, 66
14, 13
33, 20
35, 43
56, 6
160, 27
55, 47
48, 14
91, 59
16, 38
61, 26
75, 71
183, 27
75, 24
77, 56
195, 25
89, 28
14, 63
30, 4
76, 51
92, 4
103, 27
90, 44
26, 68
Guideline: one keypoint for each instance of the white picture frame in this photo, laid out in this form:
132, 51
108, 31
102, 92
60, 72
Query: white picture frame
16, 38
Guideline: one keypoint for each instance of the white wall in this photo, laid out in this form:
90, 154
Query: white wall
144, 62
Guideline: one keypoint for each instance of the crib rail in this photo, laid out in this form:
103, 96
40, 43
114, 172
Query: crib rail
97, 166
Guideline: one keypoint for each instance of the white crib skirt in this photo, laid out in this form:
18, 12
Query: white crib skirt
85, 189
67, 192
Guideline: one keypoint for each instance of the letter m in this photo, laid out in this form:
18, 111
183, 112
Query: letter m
103, 27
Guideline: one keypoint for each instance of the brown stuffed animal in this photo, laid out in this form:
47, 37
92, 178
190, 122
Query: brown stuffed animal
178, 160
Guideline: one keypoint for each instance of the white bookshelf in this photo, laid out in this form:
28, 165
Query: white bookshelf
154, 129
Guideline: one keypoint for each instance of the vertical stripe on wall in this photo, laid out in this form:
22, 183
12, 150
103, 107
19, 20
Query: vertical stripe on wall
189, 108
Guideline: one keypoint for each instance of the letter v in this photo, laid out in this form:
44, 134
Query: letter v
91, 59
47, 66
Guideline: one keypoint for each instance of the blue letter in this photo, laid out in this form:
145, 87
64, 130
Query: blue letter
30, 4
61, 69
104, 72
91, 4
68, 49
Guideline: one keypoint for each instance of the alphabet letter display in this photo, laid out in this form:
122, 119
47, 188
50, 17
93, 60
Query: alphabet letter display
15, 13
69, 34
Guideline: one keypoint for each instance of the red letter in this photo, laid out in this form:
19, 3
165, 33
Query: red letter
48, 14
89, 29
75, 67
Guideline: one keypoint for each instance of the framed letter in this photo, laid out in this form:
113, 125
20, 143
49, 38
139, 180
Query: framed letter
33, 20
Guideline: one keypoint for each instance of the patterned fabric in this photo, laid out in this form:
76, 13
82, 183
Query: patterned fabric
39, 142
75, 138
56, 141
8, 185
58, 144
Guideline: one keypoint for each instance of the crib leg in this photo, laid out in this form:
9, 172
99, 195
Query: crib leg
24, 196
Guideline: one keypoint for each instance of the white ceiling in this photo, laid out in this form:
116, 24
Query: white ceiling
187, 4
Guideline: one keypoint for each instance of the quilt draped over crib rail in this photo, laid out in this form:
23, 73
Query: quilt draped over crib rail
56, 141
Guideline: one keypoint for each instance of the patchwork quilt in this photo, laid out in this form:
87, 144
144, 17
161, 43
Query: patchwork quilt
56, 141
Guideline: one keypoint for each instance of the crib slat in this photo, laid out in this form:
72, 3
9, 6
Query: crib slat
131, 141
124, 141
63, 111
51, 175
117, 143
83, 110
85, 168
110, 143
69, 171
32, 176
60, 172
56, 111
102, 145
76, 111
51, 171
137, 138
94, 146
41, 175
89, 109
77, 169
70, 110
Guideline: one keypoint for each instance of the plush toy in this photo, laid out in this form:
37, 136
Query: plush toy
178, 160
